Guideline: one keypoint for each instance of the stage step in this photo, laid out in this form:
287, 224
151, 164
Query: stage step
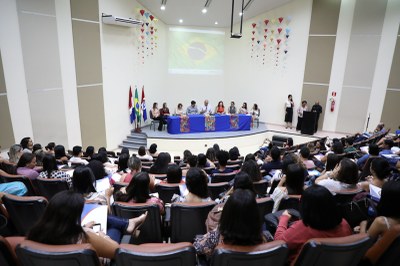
134, 141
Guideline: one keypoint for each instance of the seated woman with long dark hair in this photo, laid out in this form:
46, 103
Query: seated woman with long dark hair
239, 224
84, 183
160, 165
61, 225
197, 190
50, 170
138, 191
321, 217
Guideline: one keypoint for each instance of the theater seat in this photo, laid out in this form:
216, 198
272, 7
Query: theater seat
48, 187
24, 211
7, 250
273, 253
334, 251
166, 191
37, 254
163, 254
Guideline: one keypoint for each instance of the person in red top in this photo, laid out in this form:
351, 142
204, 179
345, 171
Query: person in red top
321, 217
220, 109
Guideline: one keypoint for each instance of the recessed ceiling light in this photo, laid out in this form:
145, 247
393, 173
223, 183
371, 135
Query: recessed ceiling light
216, 22
204, 10
162, 7
181, 21
240, 14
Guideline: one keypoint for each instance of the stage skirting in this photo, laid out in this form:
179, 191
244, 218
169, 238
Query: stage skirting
201, 123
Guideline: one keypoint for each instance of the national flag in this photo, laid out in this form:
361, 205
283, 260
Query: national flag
137, 105
131, 108
144, 111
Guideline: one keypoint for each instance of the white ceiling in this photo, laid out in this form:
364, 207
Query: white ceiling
219, 10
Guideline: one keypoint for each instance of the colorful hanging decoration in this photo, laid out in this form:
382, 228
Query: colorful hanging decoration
270, 41
146, 35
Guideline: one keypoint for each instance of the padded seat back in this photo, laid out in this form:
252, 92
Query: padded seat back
166, 191
166, 254
150, 231
37, 254
222, 177
272, 253
265, 206
24, 212
334, 251
292, 202
346, 196
48, 187
215, 189
188, 220
261, 187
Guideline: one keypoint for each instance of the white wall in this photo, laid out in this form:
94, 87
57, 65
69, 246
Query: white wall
269, 86
122, 68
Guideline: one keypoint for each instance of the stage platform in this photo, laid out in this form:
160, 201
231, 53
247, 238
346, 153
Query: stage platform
248, 141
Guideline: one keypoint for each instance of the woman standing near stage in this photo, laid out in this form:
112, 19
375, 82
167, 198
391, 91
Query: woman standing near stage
289, 111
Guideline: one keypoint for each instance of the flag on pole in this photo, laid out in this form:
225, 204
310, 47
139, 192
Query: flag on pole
144, 111
137, 105
131, 107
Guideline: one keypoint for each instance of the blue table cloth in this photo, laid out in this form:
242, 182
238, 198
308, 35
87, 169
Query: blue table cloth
197, 123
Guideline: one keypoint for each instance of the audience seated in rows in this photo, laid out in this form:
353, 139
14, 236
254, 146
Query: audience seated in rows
27, 145
26, 166
77, 154
222, 157
160, 165
50, 170
380, 170
142, 155
197, 190
273, 161
135, 166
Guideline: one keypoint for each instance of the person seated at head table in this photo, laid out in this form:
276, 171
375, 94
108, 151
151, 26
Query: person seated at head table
232, 108
206, 109
179, 110
220, 109
243, 109
192, 109
164, 111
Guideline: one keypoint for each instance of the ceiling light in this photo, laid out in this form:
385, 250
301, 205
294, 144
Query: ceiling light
240, 14
163, 3
216, 22
204, 10
181, 21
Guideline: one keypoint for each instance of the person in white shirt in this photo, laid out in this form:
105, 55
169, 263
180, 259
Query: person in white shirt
289, 104
76, 156
300, 111
206, 109
142, 155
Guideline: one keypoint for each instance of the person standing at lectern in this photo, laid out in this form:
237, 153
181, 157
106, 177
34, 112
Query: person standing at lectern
300, 111
317, 108
289, 104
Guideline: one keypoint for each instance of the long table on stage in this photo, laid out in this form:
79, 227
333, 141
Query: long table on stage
201, 123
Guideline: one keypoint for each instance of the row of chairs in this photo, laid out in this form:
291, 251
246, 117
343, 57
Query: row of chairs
346, 251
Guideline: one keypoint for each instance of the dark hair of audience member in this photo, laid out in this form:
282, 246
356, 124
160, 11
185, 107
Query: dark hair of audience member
50, 146
49, 164
174, 174
160, 165
373, 149
25, 159
211, 154
24, 142
318, 208
59, 151
153, 148
186, 155
89, 151
305, 152
252, 169
322, 146
337, 148
61, 222
240, 219
138, 189
289, 142
201, 160
381, 168
348, 172
192, 161
216, 148
142, 151
249, 157
288, 160
196, 182
275, 153
101, 157
83, 180
39, 157
102, 149
242, 180
234, 154
36, 147
343, 141
389, 205
123, 162
295, 179
331, 161
125, 150
350, 141
97, 169
222, 157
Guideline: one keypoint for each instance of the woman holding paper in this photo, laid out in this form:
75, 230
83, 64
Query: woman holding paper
61, 225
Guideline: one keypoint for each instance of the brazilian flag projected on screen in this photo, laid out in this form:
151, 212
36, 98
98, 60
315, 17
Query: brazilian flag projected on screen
193, 51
